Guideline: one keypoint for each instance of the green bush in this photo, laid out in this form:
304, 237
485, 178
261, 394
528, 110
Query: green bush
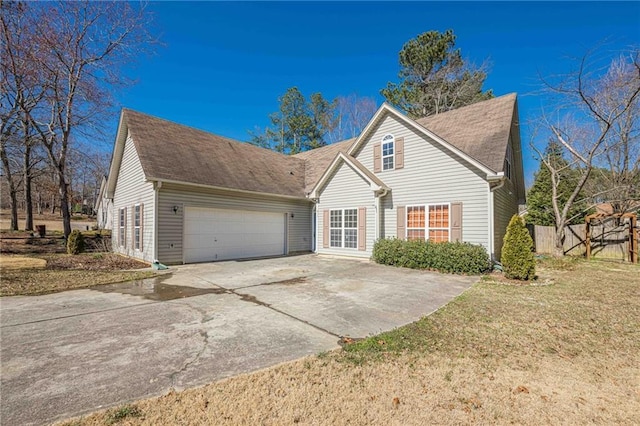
75, 243
518, 261
457, 258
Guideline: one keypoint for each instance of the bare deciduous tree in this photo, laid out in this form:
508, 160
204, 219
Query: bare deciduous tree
352, 113
78, 50
590, 105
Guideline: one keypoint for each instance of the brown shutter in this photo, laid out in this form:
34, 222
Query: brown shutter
455, 216
362, 228
401, 234
399, 148
124, 243
133, 227
141, 226
377, 158
325, 228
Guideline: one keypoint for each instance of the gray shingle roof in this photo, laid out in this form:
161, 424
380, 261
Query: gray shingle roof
317, 160
174, 152
480, 130
170, 151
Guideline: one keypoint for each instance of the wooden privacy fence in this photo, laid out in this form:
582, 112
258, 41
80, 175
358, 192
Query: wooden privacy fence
609, 239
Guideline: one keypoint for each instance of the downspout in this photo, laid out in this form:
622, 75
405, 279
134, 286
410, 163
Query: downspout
378, 195
156, 189
314, 235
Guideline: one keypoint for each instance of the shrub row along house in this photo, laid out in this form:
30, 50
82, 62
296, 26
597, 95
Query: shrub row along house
181, 195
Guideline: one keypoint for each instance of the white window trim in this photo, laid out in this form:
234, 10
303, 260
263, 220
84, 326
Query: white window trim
122, 226
393, 155
136, 241
426, 219
343, 228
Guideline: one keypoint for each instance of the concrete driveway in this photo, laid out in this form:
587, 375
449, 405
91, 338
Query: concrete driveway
74, 352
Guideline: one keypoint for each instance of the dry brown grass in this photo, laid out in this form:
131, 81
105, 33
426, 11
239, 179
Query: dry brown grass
32, 282
21, 262
563, 353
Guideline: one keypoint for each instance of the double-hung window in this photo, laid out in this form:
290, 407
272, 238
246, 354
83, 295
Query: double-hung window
428, 222
122, 226
343, 228
137, 226
388, 150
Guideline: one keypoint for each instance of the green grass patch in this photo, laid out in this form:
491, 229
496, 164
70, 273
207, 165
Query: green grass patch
119, 414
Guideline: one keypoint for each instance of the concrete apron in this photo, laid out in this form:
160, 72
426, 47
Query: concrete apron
75, 352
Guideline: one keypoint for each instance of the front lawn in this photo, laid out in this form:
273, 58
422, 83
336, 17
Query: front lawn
42, 281
564, 351
33, 266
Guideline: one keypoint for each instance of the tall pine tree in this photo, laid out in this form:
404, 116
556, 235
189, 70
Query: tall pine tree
298, 125
434, 77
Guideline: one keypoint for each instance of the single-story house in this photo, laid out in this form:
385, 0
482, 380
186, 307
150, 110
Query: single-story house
182, 195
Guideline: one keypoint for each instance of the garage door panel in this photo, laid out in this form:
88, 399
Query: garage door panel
219, 234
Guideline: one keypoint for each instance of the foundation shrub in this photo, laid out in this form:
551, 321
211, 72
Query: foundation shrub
451, 257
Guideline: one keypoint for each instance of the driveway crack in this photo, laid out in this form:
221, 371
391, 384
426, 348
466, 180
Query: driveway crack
252, 299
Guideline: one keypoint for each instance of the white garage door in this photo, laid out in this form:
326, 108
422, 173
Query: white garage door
220, 234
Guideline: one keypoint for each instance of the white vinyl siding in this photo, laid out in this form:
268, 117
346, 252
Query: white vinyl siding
171, 225
347, 190
132, 189
431, 175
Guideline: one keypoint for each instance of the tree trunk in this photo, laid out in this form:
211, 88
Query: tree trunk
12, 190
27, 189
64, 206
558, 250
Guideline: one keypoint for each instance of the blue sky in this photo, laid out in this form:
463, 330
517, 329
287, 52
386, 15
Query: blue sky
224, 64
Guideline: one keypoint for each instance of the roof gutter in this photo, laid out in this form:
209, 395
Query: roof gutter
496, 177
220, 188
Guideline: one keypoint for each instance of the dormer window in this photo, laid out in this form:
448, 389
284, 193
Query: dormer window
388, 151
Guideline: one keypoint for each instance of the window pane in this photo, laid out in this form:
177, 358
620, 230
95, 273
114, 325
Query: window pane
351, 238
415, 217
387, 163
415, 234
351, 218
387, 149
438, 235
136, 216
336, 238
121, 217
439, 216
336, 218
137, 237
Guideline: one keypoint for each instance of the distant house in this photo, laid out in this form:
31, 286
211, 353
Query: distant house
104, 207
181, 195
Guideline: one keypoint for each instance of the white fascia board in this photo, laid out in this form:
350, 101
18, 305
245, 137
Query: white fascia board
116, 157
341, 157
221, 188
